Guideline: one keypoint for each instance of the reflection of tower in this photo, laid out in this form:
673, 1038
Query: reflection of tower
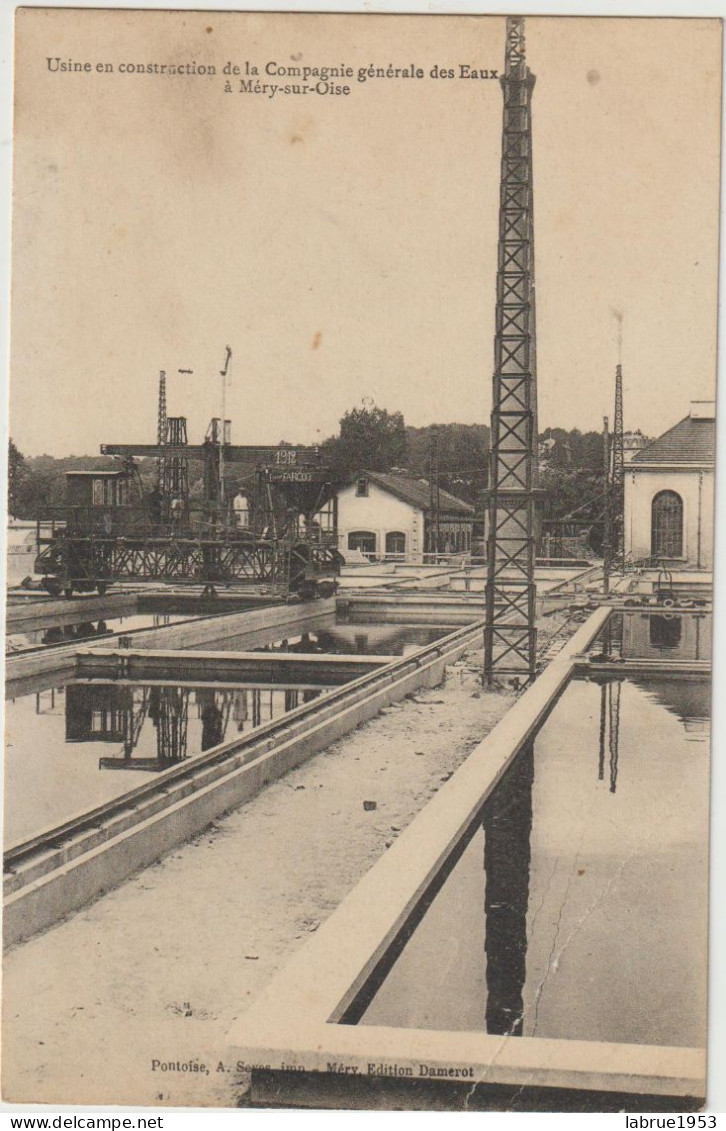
507, 827
172, 713
510, 636
609, 730
603, 725
614, 744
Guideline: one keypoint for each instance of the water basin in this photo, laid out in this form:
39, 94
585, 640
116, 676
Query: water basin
577, 908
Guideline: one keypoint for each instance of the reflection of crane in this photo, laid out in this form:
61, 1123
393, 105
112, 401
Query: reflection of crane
171, 714
134, 719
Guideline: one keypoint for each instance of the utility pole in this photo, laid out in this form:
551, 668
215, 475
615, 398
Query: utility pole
510, 635
435, 497
607, 549
223, 428
618, 474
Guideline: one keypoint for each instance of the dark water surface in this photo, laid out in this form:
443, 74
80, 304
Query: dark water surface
578, 908
75, 747
72, 748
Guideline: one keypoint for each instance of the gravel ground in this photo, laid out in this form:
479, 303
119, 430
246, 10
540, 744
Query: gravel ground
159, 968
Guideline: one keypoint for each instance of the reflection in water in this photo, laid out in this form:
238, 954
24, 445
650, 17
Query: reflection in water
368, 640
689, 700
108, 712
614, 740
507, 826
665, 631
59, 633
610, 690
79, 630
615, 879
663, 636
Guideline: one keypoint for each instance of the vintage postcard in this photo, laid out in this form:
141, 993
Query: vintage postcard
359, 618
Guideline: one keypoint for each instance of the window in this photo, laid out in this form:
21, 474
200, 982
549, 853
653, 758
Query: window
666, 539
363, 540
98, 492
395, 542
361, 487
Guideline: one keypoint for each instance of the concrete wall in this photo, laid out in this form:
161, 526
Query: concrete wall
380, 513
695, 487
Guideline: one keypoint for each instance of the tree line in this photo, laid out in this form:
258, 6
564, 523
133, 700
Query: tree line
373, 439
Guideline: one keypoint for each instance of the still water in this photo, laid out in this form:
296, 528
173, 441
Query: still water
72, 748
87, 631
578, 908
76, 746
355, 640
658, 636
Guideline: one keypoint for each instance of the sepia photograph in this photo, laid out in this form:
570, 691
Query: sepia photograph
360, 540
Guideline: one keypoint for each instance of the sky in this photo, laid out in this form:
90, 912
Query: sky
345, 246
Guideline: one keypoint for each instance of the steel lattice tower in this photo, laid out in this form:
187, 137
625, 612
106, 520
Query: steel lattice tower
618, 473
510, 636
174, 483
161, 429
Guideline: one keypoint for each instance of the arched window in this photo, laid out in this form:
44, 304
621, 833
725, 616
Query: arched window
395, 542
666, 539
363, 540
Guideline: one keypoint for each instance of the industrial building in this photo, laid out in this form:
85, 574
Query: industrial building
394, 516
669, 486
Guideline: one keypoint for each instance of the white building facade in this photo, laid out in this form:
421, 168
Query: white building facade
387, 516
669, 495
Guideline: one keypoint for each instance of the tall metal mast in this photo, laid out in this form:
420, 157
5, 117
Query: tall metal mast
161, 429
435, 495
510, 636
607, 545
618, 473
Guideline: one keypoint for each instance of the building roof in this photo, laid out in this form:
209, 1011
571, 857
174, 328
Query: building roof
692, 440
415, 491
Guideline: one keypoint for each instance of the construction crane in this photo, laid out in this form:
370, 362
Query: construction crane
510, 635
101, 537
